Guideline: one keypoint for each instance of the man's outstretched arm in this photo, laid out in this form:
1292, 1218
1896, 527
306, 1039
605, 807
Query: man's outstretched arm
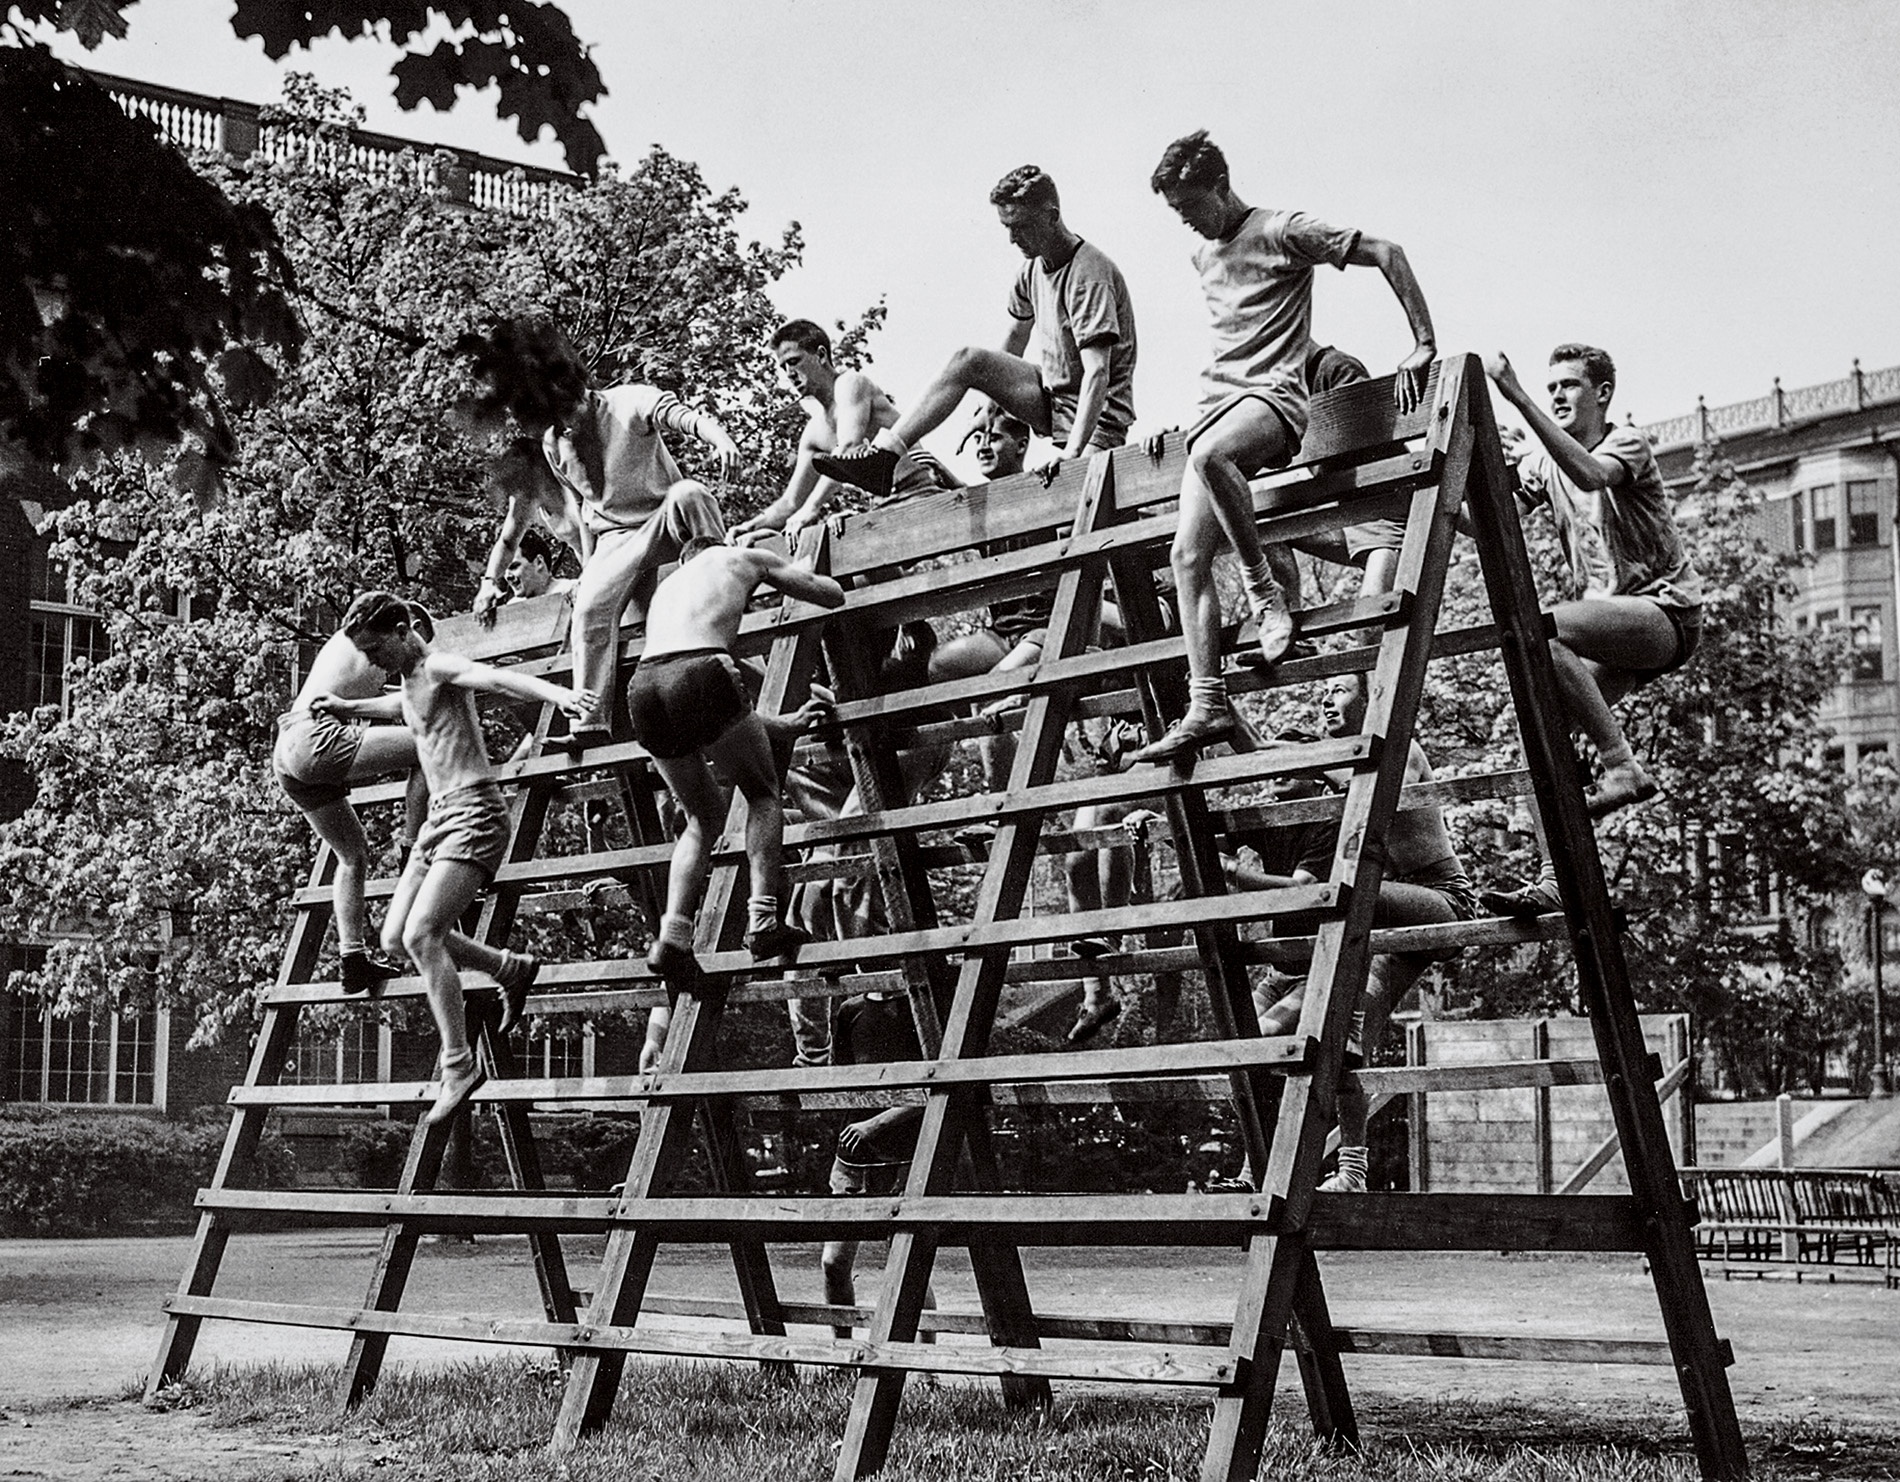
1390, 259
1585, 469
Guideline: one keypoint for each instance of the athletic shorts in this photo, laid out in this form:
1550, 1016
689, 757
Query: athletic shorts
1284, 398
1687, 621
682, 701
313, 757
1449, 879
1058, 419
469, 824
875, 1179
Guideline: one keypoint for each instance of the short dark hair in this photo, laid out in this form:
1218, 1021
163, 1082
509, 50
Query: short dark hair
375, 612
1026, 185
1596, 363
538, 545
697, 544
529, 368
1192, 162
1009, 423
806, 334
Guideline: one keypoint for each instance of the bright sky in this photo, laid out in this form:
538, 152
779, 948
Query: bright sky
1710, 189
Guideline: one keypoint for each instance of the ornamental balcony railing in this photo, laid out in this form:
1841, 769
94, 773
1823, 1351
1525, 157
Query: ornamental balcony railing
1852, 393
228, 126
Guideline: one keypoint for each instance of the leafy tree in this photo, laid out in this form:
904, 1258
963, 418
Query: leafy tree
132, 291
1747, 802
156, 812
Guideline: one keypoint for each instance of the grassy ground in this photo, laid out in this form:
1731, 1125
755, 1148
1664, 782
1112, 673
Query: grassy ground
728, 1423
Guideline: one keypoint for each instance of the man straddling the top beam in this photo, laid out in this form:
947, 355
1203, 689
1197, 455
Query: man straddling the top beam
1080, 390
1257, 275
842, 409
1640, 613
608, 451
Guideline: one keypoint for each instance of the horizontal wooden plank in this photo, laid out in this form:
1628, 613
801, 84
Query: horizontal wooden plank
1195, 1056
1133, 1365
1524, 1222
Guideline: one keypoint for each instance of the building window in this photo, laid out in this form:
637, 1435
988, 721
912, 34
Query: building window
58, 640
113, 1060
1863, 512
350, 1057
1798, 520
1826, 503
1867, 646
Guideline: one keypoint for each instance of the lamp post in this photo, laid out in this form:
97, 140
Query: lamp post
1873, 885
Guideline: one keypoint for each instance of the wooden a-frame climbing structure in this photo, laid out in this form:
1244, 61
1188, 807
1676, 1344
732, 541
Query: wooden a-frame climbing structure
1103, 524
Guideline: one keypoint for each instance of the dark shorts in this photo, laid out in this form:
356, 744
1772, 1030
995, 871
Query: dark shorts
1058, 420
313, 756
1687, 621
875, 1179
469, 825
681, 702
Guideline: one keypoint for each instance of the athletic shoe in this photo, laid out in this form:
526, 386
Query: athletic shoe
675, 964
362, 973
457, 1087
1089, 1021
517, 975
1276, 627
870, 470
1090, 947
1351, 1175
1537, 899
780, 939
1187, 736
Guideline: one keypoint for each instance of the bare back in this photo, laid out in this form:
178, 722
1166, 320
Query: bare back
700, 605
1419, 837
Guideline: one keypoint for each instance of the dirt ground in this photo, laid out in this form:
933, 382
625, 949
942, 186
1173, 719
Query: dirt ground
80, 1321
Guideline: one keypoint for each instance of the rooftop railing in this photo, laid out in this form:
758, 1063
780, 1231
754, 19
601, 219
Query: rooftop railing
1852, 393
228, 126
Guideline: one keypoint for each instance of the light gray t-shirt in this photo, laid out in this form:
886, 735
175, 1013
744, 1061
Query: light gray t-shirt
1083, 302
1621, 541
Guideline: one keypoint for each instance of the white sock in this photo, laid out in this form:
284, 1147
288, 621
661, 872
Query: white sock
456, 1062
1262, 590
762, 913
1207, 698
888, 439
344, 948
677, 931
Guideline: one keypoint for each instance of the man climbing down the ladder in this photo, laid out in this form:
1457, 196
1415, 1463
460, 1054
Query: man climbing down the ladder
462, 843
1640, 612
1424, 884
690, 711
1257, 276
607, 451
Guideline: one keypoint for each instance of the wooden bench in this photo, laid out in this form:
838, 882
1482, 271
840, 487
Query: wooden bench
1753, 1219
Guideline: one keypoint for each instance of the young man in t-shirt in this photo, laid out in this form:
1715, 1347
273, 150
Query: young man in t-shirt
607, 451
1257, 276
1639, 614
842, 409
874, 1153
1079, 392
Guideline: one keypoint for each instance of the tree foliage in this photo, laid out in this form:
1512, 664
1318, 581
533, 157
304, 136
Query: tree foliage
1753, 825
157, 816
136, 299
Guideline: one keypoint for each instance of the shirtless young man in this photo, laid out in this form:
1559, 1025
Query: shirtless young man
691, 712
318, 758
1639, 615
462, 843
1079, 392
531, 572
1424, 885
841, 408
1257, 276
607, 451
